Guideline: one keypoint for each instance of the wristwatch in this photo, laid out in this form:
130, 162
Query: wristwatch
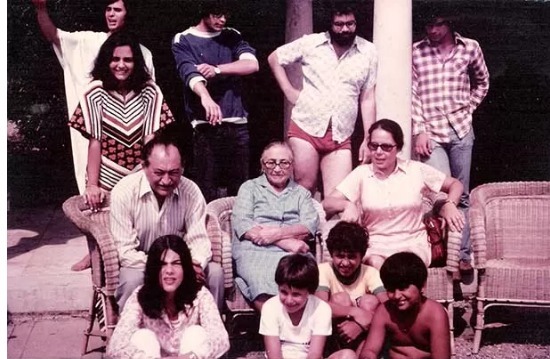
217, 70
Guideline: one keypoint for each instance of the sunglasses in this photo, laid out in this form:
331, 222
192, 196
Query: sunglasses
386, 147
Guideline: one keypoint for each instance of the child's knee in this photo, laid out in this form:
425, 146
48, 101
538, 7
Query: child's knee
375, 261
341, 298
368, 302
146, 340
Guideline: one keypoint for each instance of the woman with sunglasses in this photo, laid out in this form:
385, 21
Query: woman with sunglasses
170, 316
386, 197
272, 217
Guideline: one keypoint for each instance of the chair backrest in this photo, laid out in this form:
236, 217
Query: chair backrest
220, 231
103, 253
511, 220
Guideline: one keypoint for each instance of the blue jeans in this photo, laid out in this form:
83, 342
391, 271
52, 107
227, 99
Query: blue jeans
455, 159
221, 156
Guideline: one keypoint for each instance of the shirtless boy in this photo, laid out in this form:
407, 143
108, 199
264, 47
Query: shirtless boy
417, 327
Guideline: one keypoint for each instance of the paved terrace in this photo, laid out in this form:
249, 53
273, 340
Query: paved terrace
47, 303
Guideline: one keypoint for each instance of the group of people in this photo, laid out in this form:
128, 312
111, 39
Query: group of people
170, 292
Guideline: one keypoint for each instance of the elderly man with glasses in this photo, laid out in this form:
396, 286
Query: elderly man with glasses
339, 71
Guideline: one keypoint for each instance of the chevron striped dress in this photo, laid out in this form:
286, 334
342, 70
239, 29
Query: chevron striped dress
120, 124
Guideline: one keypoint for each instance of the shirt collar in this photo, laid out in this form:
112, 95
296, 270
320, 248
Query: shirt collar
402, 166
145, 187
457, 37
359, 45
265, 183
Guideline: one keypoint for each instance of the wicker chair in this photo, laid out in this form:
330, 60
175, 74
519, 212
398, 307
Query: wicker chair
510, 232
439, 286
218, 226
105, 266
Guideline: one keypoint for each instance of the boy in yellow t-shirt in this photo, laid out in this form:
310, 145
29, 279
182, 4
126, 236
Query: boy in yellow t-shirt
352, 289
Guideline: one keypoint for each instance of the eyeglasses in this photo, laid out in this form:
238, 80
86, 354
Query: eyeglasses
219, 16
283, 164
386, 147
340, 24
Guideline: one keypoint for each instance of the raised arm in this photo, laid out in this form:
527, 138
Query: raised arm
48, 28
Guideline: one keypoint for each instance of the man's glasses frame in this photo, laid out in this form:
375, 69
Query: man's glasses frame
341, 24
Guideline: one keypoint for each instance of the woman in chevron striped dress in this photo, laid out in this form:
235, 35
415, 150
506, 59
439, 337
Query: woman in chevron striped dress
119, 111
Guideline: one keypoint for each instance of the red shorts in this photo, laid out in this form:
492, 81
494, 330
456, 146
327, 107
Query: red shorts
322, 145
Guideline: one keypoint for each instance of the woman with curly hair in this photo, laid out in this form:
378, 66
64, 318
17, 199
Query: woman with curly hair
170, 316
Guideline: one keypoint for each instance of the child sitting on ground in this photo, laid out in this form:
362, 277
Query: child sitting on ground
295, 324
352, 289
416, 327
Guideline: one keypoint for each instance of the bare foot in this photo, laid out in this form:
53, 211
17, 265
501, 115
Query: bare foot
82, 264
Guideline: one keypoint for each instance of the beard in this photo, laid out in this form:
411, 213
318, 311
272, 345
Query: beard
342, 39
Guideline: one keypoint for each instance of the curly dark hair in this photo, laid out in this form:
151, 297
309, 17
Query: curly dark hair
403, 269
102, 71
151, 295
348, 237
298, 271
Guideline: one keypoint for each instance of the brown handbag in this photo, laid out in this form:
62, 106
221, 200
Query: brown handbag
437, 236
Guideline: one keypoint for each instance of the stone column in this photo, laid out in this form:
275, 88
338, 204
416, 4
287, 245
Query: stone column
299, 21
392, 35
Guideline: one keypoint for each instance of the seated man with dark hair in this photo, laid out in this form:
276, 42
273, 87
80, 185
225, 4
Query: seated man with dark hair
155, 202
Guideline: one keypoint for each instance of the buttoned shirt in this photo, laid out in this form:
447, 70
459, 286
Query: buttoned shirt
446, 91
258, 203
137, 220
331, 85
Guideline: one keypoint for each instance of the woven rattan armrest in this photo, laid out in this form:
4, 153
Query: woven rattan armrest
96, 225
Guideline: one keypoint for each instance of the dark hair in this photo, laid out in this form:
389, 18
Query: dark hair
348, 237
298, 271
403, 269
151, 295
339, 9
435, 12
128, 19
213, 7
102, 71
393, 128
161, 138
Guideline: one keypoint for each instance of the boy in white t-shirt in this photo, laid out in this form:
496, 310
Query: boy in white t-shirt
352, 289
295, 324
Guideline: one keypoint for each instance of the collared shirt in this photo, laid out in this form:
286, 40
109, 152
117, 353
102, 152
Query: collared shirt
136, 220
258, 203
203, 312
446, 91
393, 207
331, 85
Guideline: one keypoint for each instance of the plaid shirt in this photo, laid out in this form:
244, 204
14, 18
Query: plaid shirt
447, 91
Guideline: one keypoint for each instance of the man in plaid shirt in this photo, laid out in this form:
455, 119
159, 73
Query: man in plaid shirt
450, 79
